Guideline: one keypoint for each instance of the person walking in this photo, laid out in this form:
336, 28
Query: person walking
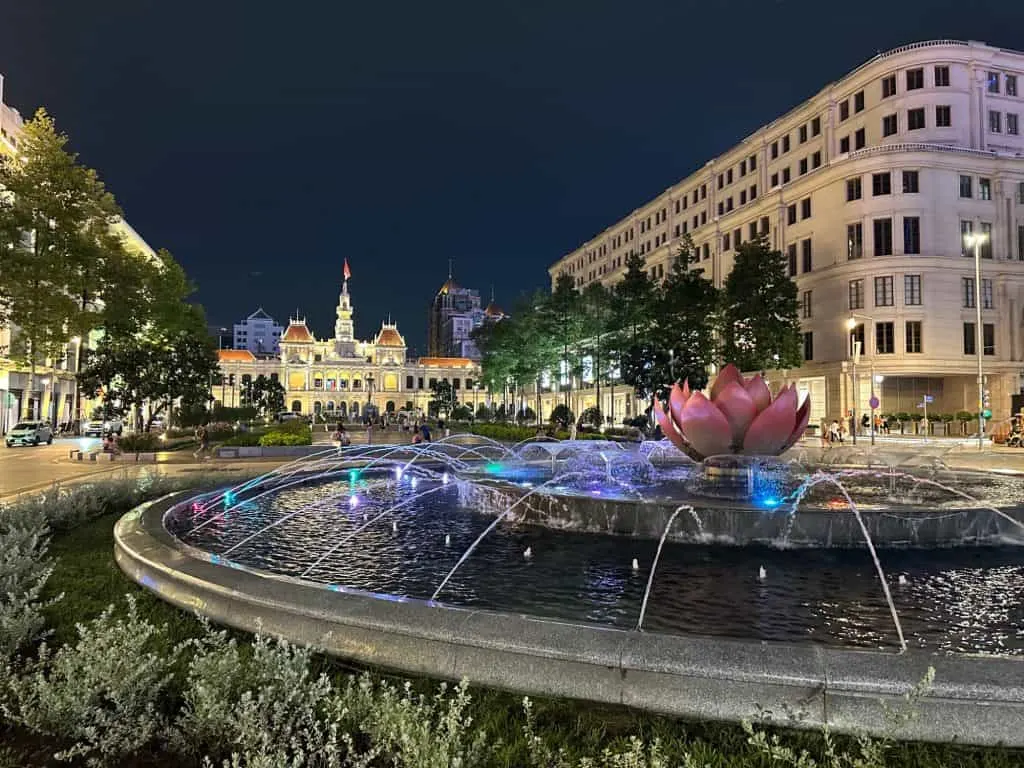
203, 438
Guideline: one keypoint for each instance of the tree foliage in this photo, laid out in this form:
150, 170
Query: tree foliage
266, 395
760, 324
442, 398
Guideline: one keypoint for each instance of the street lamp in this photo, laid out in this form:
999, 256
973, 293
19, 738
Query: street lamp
77, 341
976, 239
851, 324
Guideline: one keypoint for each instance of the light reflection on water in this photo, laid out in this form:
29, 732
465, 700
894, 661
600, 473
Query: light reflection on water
957, 599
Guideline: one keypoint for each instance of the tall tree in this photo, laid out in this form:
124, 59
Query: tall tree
634, 302
597, 323
55, 227
267, 395
561, 330
760, 324
442, 398
686, 314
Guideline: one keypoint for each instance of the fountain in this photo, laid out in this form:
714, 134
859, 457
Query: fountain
657, 575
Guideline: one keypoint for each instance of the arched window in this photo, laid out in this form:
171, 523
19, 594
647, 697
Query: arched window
296, 406
390, 406
354, 409
408, 382
318, 406
330, 405
343, 409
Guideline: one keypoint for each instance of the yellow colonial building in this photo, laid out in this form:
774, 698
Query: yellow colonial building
338, 378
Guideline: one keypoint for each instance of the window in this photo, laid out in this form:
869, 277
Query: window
910, 183
942, 117
725, 242
966, 228
808, 345
775, 149
915, 79
993, 81
857, 338
785, 143
743, 167
703, 191
728, 176
853, 189
984, 189
911, 234
854, 241
888, 86
912, 290
775, 180
785, 175
805, 305
1011, 124
857, 294
883, 237
791, 256
791, 214
752, 229
889, 126
881, 184
743, 196
803, 166
988, 336
815, 126
728, 203
967, 289
858, 102
705, 252
1011, 85
915, 119
844, 145
753, 191
703, 217
816, 159
765, 224
987, 301
884, 339
986, 243
995, 119
408, 382
805, 254
913, 337
753, 162
941, 76
883, 291
844, 110
965, 187
805, 208
1020, 242
803, 133
969, 340
859, 140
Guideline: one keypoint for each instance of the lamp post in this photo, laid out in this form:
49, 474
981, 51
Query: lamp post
45, 382
976, 240
851, 324
77, 412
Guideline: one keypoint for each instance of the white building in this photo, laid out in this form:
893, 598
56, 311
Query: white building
868, 187
259, 334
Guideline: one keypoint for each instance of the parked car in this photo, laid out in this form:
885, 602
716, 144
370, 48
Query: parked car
29, 433
101, 427
287, 416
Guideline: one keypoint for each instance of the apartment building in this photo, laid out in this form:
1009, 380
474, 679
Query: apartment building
259, 334
869, 188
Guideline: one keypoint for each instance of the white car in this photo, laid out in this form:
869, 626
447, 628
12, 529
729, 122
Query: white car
29, 433
99, 428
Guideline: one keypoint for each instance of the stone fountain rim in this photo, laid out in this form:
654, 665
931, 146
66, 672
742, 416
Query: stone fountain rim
694, 677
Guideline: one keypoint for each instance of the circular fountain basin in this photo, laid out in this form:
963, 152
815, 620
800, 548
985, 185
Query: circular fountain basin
357, 578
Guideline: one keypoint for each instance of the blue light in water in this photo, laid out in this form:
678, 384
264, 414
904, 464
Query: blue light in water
413, 482
444, 478
353, 501
494, 468
229, 498
768, 502
353, 475
398, 473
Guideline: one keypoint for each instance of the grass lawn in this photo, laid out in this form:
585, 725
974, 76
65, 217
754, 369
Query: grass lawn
89, 579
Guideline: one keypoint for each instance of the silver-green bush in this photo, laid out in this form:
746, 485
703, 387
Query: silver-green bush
24, 570
98, 697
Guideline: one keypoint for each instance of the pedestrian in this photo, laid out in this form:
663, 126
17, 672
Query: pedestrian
203, 438
425, 432
834, 435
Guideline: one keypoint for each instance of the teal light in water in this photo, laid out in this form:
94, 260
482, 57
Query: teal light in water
768, 502
229, 498
494, 468
353, 476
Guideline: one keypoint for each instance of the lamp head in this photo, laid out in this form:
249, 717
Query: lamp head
851, 324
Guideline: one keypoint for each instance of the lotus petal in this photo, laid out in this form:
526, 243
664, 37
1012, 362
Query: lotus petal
670, 430
759, 392
727, 375
803, 415
739, 410
705, 427
773, 426
678, 399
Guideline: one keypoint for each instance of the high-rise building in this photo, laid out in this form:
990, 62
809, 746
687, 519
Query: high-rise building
869, 188
258, 333
454, 313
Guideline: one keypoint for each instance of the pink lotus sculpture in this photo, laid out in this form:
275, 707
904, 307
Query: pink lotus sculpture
740, 417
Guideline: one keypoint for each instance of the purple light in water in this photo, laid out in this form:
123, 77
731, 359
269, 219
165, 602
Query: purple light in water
353, 501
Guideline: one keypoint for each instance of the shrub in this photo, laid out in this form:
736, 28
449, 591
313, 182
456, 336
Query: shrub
592, 415
277, 437
100, 697
24, 571
220, 430
140, 442
292, 426
245, 439
461, 413
561, 414
261, 708
504, 432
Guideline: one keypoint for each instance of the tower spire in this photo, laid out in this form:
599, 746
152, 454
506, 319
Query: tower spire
450, 263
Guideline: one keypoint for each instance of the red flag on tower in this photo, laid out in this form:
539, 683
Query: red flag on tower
347, 272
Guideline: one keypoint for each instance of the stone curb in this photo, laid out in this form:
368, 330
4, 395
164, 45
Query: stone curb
975, 700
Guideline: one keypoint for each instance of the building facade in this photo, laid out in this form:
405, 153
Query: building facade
51, 393
869, 189
258, 334
454, 313
338, 378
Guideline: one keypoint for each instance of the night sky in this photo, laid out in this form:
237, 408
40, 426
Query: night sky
262, 143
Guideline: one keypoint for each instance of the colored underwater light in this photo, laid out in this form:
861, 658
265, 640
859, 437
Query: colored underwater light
353, 475
769, 502
353, 501
444, 478
229, 498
